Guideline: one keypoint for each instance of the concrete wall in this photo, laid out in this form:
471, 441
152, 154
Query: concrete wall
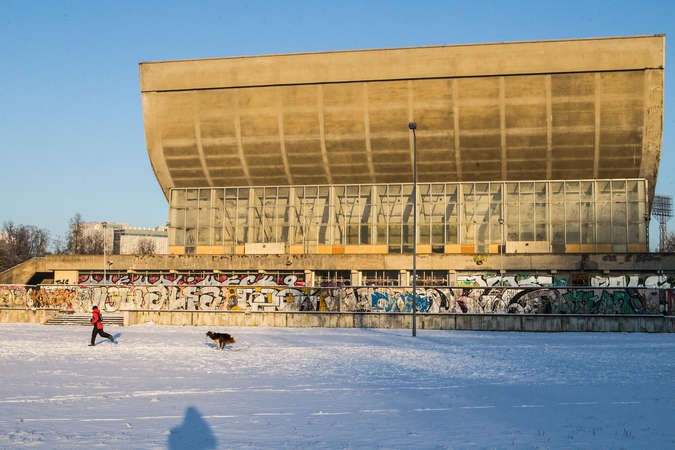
510, 58
24, 315
467, 322
594, 263
493, 299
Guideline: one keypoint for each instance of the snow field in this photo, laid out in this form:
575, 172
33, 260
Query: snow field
278, 388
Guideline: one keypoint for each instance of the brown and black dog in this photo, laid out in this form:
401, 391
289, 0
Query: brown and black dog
221, 339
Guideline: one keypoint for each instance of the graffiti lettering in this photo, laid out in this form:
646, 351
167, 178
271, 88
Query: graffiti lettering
461, 300
190, 280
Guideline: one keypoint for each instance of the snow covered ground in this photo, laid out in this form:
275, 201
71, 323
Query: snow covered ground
281, 388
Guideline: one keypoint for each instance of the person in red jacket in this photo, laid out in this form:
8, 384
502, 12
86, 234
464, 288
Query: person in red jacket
98, 326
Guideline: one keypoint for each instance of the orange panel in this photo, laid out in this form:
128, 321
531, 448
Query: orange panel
572, 248
453, 248
338, 249
588, 248
466, 248
209, 250
176, 250
324, 249
637, 248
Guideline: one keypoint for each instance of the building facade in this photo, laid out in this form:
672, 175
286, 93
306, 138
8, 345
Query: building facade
482, 217
536, 165
123, 239
540, 147
135, 240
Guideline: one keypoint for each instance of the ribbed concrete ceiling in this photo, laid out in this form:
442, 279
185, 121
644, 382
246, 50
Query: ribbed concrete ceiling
578, 109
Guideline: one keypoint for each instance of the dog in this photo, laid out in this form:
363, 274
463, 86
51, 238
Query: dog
221, 339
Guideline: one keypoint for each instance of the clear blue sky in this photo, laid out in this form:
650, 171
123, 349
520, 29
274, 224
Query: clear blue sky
71, 123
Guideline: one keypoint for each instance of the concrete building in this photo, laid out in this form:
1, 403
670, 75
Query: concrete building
123, 239
536, 158
134, 240
311, 153
531, 147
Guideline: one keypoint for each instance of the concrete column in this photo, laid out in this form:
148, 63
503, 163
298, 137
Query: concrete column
404, 278
309, 278
356, 278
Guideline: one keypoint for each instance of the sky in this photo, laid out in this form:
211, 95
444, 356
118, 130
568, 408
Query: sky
162, 387
71, 122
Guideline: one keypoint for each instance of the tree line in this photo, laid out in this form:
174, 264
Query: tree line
19, 243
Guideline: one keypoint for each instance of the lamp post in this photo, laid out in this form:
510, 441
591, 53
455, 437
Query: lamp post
413, 127
105, 262
501, 251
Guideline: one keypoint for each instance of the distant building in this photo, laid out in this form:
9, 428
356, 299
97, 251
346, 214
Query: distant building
129, 241
123, 239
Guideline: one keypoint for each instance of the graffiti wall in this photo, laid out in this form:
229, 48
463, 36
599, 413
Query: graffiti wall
191, 280
460, 300
293, 280
527, 280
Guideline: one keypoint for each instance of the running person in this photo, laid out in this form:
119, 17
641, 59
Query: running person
98, 326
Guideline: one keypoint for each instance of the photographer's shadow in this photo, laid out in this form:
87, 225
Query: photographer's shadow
193, 433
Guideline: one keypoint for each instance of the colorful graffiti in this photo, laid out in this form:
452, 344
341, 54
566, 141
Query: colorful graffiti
527, 280
257, 279
481, 280
459, 300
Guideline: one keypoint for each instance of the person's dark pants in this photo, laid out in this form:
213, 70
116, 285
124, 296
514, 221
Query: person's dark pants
101, 333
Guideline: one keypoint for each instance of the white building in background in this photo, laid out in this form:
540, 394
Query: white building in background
123, 239
128, 241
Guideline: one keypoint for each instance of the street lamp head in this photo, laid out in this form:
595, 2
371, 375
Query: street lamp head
501, 221
412, 125
104, 224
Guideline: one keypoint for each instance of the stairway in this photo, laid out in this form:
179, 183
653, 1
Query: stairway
83, 319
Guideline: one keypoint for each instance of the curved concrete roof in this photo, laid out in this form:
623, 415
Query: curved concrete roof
574, 109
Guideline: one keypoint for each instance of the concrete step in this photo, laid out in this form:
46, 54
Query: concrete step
84, 319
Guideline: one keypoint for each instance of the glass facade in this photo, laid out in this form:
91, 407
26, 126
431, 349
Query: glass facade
537, 216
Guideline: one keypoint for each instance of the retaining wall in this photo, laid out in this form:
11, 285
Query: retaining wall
546, 300
27, 315
473, 322
468, 322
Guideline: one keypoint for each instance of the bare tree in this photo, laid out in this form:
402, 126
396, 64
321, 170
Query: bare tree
669, 243
145, 246
7, 257
60, 245
19, 243
38, 241
93, 243
81, 241
75, 239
